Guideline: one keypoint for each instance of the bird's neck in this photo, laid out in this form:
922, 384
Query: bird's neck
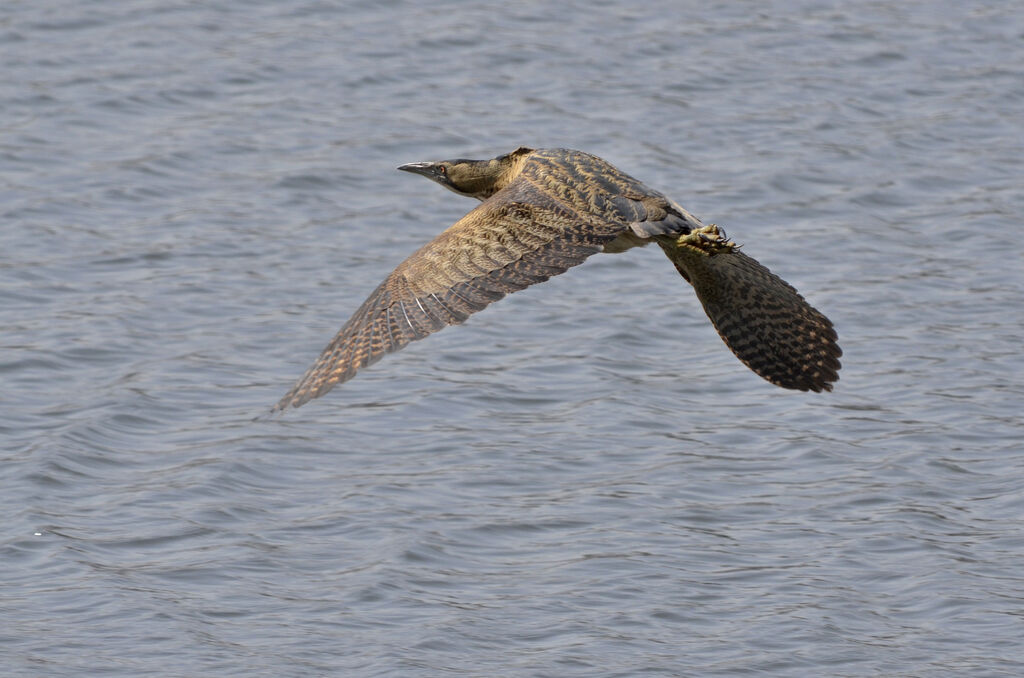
498, 173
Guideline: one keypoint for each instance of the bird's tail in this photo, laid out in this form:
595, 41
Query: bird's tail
761, 317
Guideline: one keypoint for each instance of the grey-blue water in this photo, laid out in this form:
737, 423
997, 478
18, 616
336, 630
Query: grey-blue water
581, 480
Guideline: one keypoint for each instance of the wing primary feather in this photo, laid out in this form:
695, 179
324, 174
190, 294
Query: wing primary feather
456, 316
387, 323
472, 305
405, 313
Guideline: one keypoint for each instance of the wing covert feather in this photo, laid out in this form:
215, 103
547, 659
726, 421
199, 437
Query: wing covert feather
500, 247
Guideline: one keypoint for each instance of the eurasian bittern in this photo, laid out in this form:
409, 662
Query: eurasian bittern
545, 211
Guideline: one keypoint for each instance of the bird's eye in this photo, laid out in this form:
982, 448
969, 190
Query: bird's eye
442, 170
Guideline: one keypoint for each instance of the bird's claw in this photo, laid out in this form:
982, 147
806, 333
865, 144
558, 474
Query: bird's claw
709, 240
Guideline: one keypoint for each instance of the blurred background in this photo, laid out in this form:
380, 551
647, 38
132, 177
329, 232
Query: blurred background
581, 480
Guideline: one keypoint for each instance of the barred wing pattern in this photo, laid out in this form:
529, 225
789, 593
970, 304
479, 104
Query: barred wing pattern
763, 319
513, 240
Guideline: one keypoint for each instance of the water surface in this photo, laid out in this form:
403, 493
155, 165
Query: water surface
581, 480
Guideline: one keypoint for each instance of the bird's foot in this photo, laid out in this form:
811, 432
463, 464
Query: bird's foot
709, 240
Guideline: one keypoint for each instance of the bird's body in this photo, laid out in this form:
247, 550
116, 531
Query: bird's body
544, 211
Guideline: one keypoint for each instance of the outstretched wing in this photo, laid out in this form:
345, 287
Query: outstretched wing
515, 239
762, 318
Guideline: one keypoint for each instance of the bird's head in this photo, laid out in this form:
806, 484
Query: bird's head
474, 178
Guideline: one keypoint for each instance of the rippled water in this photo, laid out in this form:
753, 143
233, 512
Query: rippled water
579, 481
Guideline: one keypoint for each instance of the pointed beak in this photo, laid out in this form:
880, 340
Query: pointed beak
424, 168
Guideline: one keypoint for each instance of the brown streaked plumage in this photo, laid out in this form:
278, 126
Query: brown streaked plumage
545, 211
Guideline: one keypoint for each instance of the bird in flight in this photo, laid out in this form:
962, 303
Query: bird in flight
545, 211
